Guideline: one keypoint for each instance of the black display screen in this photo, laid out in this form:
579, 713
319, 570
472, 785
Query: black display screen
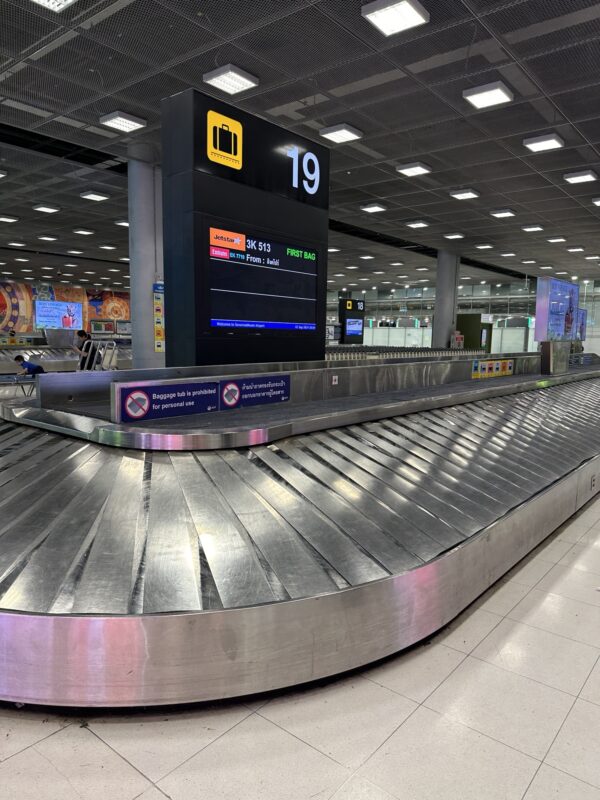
260, 284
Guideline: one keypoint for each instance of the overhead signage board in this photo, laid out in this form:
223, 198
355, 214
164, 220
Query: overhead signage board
556, 310
245, 209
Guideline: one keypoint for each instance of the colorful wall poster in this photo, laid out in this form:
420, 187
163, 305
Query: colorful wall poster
556, 310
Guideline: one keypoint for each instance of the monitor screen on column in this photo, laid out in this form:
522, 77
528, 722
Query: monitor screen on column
556, 310
260, 284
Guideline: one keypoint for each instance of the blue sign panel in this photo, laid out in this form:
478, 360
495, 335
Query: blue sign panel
156, 401
159, 401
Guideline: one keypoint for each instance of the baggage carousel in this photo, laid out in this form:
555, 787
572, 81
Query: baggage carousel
131, 577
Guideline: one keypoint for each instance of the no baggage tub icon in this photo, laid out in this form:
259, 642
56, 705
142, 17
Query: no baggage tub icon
224, 140
137, 404
231, 395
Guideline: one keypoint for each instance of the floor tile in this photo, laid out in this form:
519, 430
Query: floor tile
529, 572
577, 746
434, 758
572, 582
346, 720
152, 794
591, 690
157, 743
90, 766
510, 708
468, 629
540, 655
361, 789
591, 536
584, 556
418, 672
552, 612
572, 531
30, 776
550, 784
502, 597
20, 728
551, 550
256, 760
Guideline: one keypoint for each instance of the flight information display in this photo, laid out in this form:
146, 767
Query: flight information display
53, 314
259, 284
354, 327
556, 313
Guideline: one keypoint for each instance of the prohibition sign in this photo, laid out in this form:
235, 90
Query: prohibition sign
137, 404
231, 394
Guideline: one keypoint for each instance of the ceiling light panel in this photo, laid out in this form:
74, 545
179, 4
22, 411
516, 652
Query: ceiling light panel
98, 197
417, 223
464, 194
412, 170
454, 236
83, 231
557, 239
230, 79
394, 16
502, 213
373, 208
488, 95
4, 218
585, 176
47, 209
55, 5
121, 121
540, 144
532, 228
339, 134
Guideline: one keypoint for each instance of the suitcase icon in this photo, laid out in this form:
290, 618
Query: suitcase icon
224, 139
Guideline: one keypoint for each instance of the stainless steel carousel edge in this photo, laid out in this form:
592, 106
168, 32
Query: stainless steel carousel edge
175, 658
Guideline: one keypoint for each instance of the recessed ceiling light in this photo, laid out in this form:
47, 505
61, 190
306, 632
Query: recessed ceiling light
7, 273
330, 281
114, 270
47, 209
557, 239
351, 267
484, 246
47, 238
55, 5
532, 228
574, 278
585, 176
595, 201
333, 249
386, 282
22, 260
401, 276
502, 213
508, 255
575, 249
74, 252
528, 261
68, 274
545, 267
396, 263
363, 279
122, 223
592, 258
26, 270
482, 282
339, 274
561, 273
340, 133
465, 277
107, 247
422, 269
28, 278
17, 244
83, 231
423, 280
412, 170
70, 265
464, 194
4, 218
230, 79
92, 195
121, 121
539, 144
394, 16
417, 223
366, 258
89, 273
454, 236
488, 95
97, 284
378, 272
104, 278
124, 259
47, 267
373, 208
2, 173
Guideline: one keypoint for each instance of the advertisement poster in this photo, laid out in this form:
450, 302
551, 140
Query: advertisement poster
556, 310
55, 315
159, 317
582, 324
354, 327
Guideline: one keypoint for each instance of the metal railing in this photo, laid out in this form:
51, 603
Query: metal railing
361, 352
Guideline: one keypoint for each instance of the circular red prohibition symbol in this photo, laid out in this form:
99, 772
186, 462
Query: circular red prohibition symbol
231, 394
137, 404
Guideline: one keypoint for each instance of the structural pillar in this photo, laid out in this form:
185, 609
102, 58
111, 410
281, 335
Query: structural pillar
145, 251
446, 294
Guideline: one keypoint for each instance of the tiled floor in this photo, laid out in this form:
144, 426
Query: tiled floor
504, 704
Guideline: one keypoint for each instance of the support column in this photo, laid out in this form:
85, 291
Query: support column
446, 293
145, 251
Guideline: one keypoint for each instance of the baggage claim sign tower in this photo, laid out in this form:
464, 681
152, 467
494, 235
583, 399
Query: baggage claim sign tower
245, 236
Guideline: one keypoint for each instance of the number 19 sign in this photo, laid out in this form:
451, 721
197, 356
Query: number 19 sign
311, 170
